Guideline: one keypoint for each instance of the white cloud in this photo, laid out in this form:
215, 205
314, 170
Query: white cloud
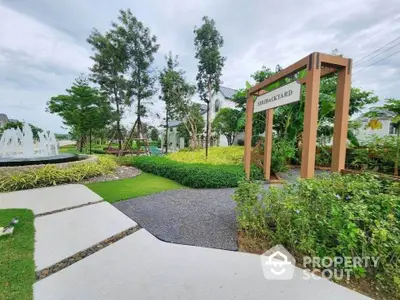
43, 46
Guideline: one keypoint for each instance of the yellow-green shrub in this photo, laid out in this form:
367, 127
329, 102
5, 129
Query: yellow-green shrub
232, 155
52, 175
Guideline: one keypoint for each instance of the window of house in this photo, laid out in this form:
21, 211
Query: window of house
392, 129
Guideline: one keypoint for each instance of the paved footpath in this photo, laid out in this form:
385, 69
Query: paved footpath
89, 250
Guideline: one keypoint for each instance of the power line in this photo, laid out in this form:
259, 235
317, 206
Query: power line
377, 62
387, 88
386, 50
377, 50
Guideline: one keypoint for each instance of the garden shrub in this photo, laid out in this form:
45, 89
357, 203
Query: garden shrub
282, 152
329, 216
194, 175
52, 175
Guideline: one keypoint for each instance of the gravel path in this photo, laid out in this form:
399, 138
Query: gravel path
201, 217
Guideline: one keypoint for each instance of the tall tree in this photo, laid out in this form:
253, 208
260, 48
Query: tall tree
393, 107
208, 43
122, 65
226, 123
139, 47
109, 68
82, 109
169, 79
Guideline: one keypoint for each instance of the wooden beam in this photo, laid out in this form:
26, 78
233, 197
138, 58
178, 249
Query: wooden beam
248, 134
328, 59
341, 120
310, 117
282, 74
269, 117
328, 71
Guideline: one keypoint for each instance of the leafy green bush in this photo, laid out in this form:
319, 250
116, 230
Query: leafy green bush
282, 152
193, 175
52, 175
329, 216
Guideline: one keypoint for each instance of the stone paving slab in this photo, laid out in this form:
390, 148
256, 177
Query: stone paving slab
49, 199
143, 267
197, 217
63, 234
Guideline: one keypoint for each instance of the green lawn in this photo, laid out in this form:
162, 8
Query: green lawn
17, 267
142, 185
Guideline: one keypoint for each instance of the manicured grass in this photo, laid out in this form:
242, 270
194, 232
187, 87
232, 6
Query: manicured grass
17, 267
142, 185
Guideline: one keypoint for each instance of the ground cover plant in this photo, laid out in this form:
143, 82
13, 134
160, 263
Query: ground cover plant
282, 152
142, 185
17, 267
52, 175
329, 216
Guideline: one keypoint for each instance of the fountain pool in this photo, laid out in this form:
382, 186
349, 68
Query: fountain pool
18, 148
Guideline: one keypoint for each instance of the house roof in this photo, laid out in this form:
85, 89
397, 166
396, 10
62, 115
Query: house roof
172, 123
227, 92
381, 115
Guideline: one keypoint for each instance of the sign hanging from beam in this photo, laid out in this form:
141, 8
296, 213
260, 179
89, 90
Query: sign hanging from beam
281, 96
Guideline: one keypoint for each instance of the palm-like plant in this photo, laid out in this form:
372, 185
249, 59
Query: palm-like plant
393, 107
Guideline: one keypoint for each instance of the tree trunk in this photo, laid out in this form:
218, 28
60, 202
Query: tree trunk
119, 134
208, 127
81, 143
396, 163
166, 132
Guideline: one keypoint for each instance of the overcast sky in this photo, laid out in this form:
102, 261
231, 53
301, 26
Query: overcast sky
43, 42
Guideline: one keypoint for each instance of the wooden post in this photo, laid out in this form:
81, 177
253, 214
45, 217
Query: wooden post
310, 116
341, 119
248, 134
269, 117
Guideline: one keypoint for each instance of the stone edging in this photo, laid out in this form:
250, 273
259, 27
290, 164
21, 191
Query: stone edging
67, 208
84, 253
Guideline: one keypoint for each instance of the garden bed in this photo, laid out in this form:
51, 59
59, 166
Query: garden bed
332, 215
50, 175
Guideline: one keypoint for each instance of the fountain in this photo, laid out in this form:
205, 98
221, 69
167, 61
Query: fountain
18, 148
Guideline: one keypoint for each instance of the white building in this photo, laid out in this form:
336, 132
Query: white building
221, 99
387, 127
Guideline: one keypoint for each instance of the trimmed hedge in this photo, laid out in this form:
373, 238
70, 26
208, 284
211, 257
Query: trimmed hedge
194, 175
53, 175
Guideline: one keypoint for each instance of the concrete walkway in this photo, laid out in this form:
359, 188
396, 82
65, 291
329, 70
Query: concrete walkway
142, 267
138, 265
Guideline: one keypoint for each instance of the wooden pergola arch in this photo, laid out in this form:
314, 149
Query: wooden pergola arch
318, 65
